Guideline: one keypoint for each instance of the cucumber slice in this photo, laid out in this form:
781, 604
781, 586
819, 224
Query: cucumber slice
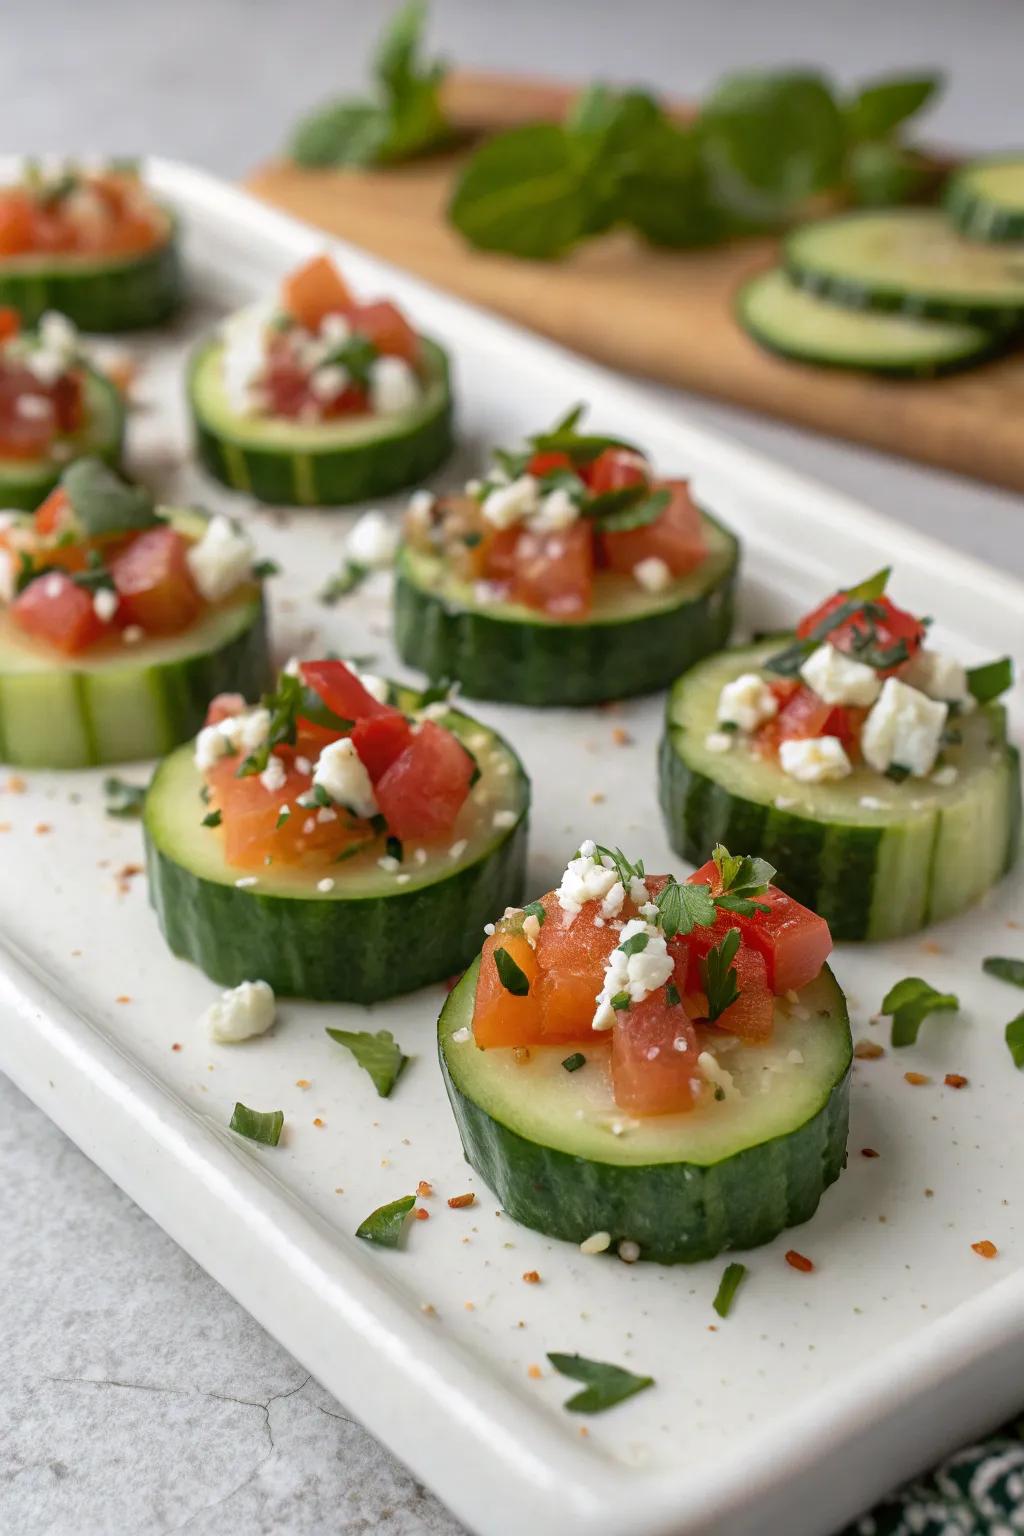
319, 464
24, 483
915, 853
633, 641
114, 293
370, 937
797, 323
910, 260
730, 1174
124, 703
985, 200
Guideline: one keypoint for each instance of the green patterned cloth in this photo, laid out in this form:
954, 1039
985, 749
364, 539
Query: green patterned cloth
979, 1491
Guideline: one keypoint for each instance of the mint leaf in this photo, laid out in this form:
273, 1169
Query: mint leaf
123, 799
512, 978
731, 1281
523, 192
740, 874
605, 1385
772, 140
351, 576
386, 1225
883, 175
881, 105
377, 1054
718, 975
1004, 969
103, 503
909, 1003
258, 1125
989, 681
683, 907
666, 195
1015, 1039
340, 133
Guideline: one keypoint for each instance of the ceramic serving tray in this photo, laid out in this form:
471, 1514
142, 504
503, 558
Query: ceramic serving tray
820, 1390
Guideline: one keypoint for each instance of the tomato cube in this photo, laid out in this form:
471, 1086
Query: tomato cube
54, 609
154, 583
424, 789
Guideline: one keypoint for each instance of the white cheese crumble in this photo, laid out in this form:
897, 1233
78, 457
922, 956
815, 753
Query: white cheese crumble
747, 702
905, 727
939, 676
8, 576
274, 774
713, 1072
325, 885
585, 879
341, 772
246, 882
509, 504
636, 974
652, 574
421, 506
612, 904
458, 848
504, 818
335, 328
597, 1242
33, 407
237, 733
556, 511
328, 381
221, 560
389, 864
944, 777
376, 687
57, 348
394, 387
240, 1013
815, 760
719, 741
105, 603
838, 679
372, 541
462, 1036
243, 355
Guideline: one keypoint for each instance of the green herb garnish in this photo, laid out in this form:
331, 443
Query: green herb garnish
623, 868
742, 879
574, 1062
989, 681
620, 1002
258, 1125
605, 1385
377, 1054
1004, 969
511, 977
212, 819
386, 1225
535, 909
351, 576
718, 974
910, 1002
1015, 1039
123, 799
284, 705
636, 944
103, 503
683, 906
730, 1283
262, 569
672, 996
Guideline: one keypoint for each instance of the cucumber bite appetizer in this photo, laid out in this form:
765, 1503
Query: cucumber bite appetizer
570, 575
876, 767
653, 1067
94, 244
313, 398
53, 408
344, 840
117, 621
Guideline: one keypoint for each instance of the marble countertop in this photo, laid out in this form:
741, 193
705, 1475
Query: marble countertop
138, 1396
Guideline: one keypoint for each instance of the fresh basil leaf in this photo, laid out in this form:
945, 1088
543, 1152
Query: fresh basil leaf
909, 1003
582, 447
123, 799
667, 196
212, 819
989, 681
732, 1279
340, 133
103, 503
881, 105
605, 1385
871, 588
264, 1126
574, 1062
683, 907
523, 192
1015, 1039
1004, 969
357, 355
310, 706
386, 1225
718, 975
377, 1054
511, 977
787, 662
883, 175
771, 140
96, 577
636, 516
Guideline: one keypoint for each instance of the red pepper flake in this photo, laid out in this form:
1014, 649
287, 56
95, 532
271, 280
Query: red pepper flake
532, 1277
520, 1054
423, 1189
933, 947
868, 1152
41, 828
177, 1046
584, 1432
798, 1261
534, 1372
420, 1214
124, 998
598, 797
621, 737
5, 826
985, 1249
318, 1123
457, 1202
916, 1079
15, 784
955, 1080
303, 1082
868, 1050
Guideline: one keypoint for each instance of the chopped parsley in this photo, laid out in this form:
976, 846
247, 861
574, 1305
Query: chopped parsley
512, 978
377, 1054
212, 819
635, 945
1004, 969
1015, 1039
730, 1283
351, 575
989, 681
264, 1126
535, 909
620, 1002
718, 974
386, 1225
123, 799
574, 1062
909, 1003
683, 906
604, 1385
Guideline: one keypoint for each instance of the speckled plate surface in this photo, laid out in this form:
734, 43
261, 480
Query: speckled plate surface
821, 1390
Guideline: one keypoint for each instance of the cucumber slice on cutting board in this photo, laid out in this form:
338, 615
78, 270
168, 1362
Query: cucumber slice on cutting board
373, 934
732, 1173
330, 463
915, 853
800, 324
24, 483
121, 703
632, 642
985, 200
907, 259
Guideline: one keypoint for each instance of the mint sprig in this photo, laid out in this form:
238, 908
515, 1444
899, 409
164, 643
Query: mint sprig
909, 1003
718, 975
604, 1385
378, 1055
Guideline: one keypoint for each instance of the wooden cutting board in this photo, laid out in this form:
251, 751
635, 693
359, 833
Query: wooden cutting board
664, 314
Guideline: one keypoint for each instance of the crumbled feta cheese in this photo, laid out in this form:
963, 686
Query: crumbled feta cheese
611, 906
556, 511
458, 848
372, 541
33, 407
719, 741
53, 586
240, 1013
211, 745
939, 676
872, 803
946, 776
838, 679
8, 576
248, 730
394, 387
597, 1242
328, 381
57, 348
132, 634
377, 687
652, 574
421, 855
509, 504
585, 879
713, 1072
747, 702
303, 765
274, 774
904, 727
504, 818
814, 760
335, 328
389, 864
104, 604
325, 885
325, 815
246, 882
636, 974
462, 1036
221, 560
243, 355
421, 506
341, 772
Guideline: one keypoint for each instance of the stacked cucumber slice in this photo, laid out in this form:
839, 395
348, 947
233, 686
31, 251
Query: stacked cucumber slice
911, 291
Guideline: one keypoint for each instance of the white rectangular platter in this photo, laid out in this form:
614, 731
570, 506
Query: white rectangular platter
820, 1391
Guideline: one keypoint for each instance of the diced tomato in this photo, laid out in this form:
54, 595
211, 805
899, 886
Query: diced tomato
654, 1058
21, 436
341, 690
676, 536
547, 463
496, 554
16, 222
315, 290
54, 609
500, 1017
67, 398
572, 955
385, 325
891, 625
804, 715
555, 571
752, 1015
154, 583
424, 789
794, 941
223, 706
251, 812
10, 320
380, 739
285, 384
614, 469
52, 514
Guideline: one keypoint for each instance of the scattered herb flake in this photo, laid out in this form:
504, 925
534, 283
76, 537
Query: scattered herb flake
535, 909
1004, 969
348, 579
262, 569
377, 1054
574, 1062
1015, 1039
636, 944
211, 819
620, 1002
393, 848
989, 681
718, 974
386, 1225
604, 1385
264, 1126
123, 799
909, 1003
684, 906
511, 977
730, 1283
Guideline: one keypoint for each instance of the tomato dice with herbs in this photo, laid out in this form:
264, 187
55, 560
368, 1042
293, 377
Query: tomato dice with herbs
572, 953
423, 790
877, 621
253, 826
386, 327
341, 690
501, 1017
554, 571
794, 941
316, 290
654, 1057
614, 469
380, 740
676, 536
53, 608
154, 583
